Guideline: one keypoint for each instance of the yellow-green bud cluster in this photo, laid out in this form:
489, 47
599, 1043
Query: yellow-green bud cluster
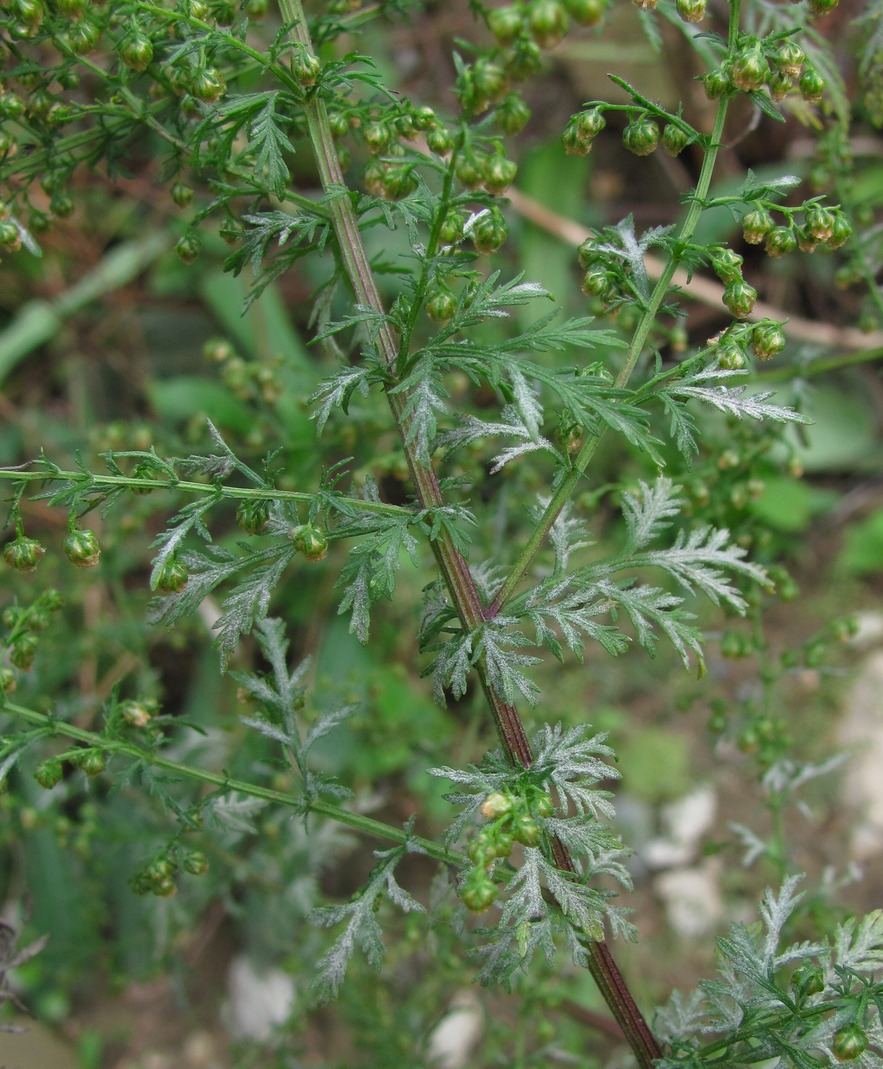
512, 818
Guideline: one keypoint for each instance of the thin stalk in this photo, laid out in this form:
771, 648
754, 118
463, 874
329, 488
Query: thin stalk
569, 483
87, 484
452, 565
357, 821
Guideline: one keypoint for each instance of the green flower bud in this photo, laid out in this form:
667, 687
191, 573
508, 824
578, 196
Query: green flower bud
137, 714
512, 114
188, 247
488, 230
808, 980
440, 141
378, 136
587, 12
749, 69
692, 10
780, 241
526, 830
674, 139
441, 306
641, 136
496, 805
92, 762
547, 21
727, 265
256, 9
767, 339
305, 68
489, 84
452, 227
23, 651
311, 542
841, 231
739, 298
499, 174
181, 194
730, 356
717, 84
525, 61
849, 1043
172, 576
823, 7
196, 863
479, 891
23, 554
780, 85
544, 805
820, 222
789, 58
756, 224
49, 773
812, 85
81, 547
8, 682
83, 37
505, 23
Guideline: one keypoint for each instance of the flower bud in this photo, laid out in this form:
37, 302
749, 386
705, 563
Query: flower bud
488, 230
820, 222
496, 805
717, 84
311, 542
812, 85
587, 12
841, 231
512, 114
505, 23
779, 241
23, 651
49, 773
692, 10
547, 21
756, 224
674, 139
727, 265
641, 136
440, 306
767, 339
172, 576
499, 174
23, 554
788, 58
739, 298
81, 547
749, 69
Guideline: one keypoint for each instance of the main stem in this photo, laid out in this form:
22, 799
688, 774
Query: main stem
452, 565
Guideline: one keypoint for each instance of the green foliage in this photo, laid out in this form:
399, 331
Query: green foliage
443, 507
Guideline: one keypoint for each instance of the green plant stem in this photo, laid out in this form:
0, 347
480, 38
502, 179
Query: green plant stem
358, 822
570, 482
89, 483
451, 563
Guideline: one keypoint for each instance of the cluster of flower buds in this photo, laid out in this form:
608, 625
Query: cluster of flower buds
249, 380
157, 877
527, 27
694, 10
821, 226
738, 296
764, 339
24, 625
640, 136
50, 773
511, 819
80, 547
779, 63
606, 272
